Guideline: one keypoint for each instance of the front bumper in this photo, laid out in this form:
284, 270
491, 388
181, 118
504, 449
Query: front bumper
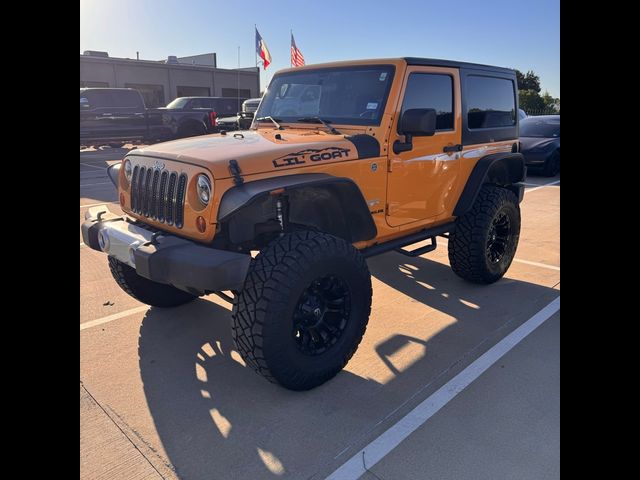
162, 257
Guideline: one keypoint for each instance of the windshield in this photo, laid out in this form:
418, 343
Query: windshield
178, 102
343, 95
543, 128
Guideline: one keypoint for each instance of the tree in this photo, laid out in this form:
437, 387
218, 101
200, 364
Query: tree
530, 100
529, 94
550, 103
530, 81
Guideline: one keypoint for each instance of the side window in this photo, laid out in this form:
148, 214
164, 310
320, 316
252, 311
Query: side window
97, 99
430, 90
490, 102
197, 103
230, 106
126, 99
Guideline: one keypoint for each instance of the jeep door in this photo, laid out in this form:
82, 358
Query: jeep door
420, 181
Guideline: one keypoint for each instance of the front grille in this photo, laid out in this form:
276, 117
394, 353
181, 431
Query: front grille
159, 195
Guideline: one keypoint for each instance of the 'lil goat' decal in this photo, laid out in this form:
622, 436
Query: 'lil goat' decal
311, 154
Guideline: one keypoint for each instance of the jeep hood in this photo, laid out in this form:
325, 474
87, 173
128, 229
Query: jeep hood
260, 151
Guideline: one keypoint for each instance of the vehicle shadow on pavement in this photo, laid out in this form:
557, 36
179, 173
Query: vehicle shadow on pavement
217, 419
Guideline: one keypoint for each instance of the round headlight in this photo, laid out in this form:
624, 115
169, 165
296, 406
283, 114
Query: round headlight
204, 189
128, 171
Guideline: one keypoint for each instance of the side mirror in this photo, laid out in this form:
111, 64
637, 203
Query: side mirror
420, 122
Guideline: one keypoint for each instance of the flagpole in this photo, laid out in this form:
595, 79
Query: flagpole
255, 54
238, 90
290, 57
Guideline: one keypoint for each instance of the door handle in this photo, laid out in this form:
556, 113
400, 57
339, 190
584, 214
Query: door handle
452, 148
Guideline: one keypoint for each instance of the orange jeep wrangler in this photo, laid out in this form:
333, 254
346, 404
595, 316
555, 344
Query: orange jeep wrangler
342, 161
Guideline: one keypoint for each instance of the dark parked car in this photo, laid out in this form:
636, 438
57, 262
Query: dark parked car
242, 120
540, 143
114, 116
190, 116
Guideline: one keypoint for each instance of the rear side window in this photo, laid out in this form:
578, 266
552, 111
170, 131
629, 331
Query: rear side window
490, 102
430, 90
126, 98
228, 106
198, 103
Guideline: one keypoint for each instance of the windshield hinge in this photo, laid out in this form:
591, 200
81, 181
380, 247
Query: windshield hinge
234, 169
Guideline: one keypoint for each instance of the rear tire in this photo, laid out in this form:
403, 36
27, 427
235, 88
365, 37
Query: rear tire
484, 242
142, 289
303, 309
552, 165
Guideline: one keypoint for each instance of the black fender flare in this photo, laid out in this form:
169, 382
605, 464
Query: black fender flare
334, 205
504, 168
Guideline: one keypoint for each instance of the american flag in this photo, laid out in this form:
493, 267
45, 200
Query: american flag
297, 59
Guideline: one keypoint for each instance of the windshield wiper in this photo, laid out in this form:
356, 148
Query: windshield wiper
319, 120
269, 117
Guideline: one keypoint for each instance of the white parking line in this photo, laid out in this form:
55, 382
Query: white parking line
110, 318
543, 265
92, 184
92, 166
541, 186
94, 204
385, 443
527, 262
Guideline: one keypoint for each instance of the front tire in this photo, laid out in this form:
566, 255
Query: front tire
484, 242
552, 165
146, 291
303, 309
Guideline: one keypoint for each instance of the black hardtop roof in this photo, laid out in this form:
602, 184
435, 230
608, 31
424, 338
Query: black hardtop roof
436, 62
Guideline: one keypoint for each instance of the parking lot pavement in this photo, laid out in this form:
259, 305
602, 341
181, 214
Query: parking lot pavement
504, 425
171, 383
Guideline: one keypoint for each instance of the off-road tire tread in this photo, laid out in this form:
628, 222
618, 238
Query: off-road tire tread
466, 243
145, 290
272, 274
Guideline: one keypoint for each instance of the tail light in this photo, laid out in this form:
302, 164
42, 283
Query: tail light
213, 116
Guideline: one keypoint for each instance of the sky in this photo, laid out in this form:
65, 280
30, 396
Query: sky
509, 33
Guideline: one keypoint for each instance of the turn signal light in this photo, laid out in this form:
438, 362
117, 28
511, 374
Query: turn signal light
201, 224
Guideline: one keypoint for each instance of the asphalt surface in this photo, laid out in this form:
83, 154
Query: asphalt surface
164, 395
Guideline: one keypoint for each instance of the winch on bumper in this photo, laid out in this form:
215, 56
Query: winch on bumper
162, 257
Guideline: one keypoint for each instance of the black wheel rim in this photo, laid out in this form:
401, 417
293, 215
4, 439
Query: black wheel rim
321, 315
499, 237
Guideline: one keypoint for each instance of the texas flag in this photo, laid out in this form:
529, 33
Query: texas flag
262, 51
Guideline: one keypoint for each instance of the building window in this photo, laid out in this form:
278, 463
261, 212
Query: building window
491, 102
153, 94
428, 90
235, 93
184, 91
89, 83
